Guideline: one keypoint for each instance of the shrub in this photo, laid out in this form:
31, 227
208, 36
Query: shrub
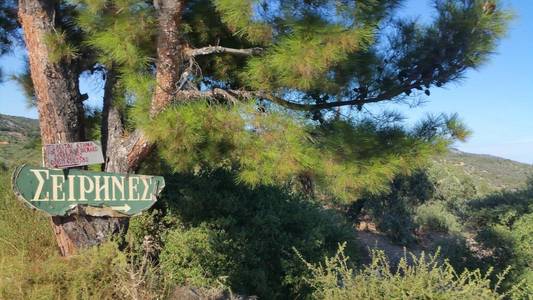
502, 208
434, 216
454, 248
423, 278
522, 233
198, 256
512, 246
226, 233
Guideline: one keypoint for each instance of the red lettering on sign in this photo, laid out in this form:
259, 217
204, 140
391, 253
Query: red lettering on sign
73, 154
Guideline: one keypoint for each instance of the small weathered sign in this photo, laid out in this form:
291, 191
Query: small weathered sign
63, 192
72, 154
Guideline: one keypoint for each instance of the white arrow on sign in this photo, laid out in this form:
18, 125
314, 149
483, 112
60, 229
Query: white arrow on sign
124, 208
72, 154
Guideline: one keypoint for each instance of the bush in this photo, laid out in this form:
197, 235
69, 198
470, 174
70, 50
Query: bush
522, 233
198, 257
423, 278
512, 246
502, 208
434, 216
454, 248
216, 232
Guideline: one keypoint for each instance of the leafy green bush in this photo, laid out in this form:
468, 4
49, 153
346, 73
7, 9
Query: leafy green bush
503, 224
522, 233
499, 208
455, 249
215, 232
199, 256
424, 278
436, 217
511, 246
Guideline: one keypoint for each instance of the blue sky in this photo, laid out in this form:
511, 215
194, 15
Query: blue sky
496, 101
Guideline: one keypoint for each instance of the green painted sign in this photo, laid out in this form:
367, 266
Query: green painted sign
63, 192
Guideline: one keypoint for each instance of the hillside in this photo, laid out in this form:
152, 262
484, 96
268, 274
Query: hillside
19, 140
488, 173
16, 129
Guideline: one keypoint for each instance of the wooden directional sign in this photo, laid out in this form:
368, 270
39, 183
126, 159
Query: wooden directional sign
63, 192
72, 154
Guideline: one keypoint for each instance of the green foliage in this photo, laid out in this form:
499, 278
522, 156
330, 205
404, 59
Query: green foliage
338, 48
423, 278
522, 233
238, 15
25, 82
451, 185
315, 51
460, 175
500, 208
214, 232
8, 27
504, 225
344, 158
24, 144
122, 31
93, 123
511, 247
436, 217
457, 250
122, 36
61, 48
472, 231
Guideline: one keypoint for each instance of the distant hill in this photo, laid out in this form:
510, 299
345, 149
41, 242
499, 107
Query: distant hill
17, 129
489, 173
19, 140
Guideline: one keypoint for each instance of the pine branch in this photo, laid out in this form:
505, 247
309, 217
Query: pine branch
219, 49
236, 95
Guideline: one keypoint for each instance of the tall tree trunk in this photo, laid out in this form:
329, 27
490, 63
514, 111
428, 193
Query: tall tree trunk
61, 112
125, 154
61, 117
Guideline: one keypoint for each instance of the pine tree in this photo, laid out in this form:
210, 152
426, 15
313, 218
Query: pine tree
273, 90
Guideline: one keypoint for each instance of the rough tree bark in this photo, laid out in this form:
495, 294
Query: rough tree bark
124, 154
61, 117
